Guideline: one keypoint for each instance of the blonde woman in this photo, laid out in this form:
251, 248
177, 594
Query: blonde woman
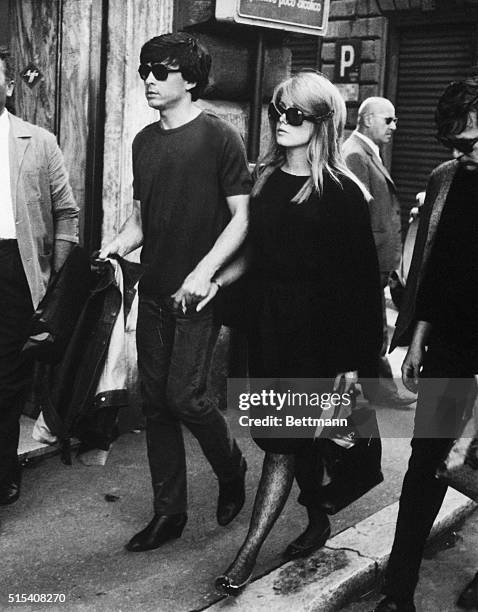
314, 295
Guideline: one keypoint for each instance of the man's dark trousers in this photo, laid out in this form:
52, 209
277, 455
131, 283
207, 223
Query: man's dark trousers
16, 310
439, 414
174, 357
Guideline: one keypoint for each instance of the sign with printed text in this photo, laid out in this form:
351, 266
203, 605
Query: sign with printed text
305, 16
347, 60
31, 75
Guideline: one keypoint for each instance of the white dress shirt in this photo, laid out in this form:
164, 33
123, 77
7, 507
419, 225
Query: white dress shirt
7, 219
370, 143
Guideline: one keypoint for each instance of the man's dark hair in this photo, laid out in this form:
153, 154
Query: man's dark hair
184, 51
7, 63
454, 106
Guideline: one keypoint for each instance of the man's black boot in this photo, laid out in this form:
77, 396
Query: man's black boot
232, 495
159, 531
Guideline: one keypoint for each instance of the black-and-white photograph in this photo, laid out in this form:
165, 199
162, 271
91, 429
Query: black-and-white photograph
238, 305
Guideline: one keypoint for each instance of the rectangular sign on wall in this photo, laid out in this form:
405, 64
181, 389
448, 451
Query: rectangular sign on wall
347, 67
347, 60
304, 16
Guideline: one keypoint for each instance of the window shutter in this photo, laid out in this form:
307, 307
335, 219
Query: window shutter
305, 51
429, 59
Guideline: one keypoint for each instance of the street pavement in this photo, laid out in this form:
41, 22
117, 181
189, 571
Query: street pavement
449, 564
63, 536
67, 532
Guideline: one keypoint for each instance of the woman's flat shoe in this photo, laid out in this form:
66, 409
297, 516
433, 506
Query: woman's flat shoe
225, 586
304, 546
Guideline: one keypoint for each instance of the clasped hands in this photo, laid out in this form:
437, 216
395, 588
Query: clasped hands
197, 290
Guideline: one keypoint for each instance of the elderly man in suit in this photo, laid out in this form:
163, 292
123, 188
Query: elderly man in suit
376, 124
38, 227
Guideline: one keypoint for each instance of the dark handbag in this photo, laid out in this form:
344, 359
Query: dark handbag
350, 472
55, 318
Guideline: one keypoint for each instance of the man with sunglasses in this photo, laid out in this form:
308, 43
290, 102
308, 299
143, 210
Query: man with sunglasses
375, 127
190, 214
440, 307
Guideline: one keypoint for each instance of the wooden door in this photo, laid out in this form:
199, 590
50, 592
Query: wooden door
34, 41
59, 48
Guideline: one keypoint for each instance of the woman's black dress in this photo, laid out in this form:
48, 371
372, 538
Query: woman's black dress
314, 294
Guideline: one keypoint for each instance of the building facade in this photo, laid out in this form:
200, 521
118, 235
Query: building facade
409, 51
77, 60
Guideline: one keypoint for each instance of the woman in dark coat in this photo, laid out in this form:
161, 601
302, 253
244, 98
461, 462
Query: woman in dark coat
314, 295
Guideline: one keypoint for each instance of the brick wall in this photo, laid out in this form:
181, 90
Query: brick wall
367, 20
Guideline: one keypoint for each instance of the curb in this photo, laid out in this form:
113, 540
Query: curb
349, 563
29, 449
41, 451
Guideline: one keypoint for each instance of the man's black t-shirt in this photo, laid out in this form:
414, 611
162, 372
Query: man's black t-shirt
448, 294
182, 177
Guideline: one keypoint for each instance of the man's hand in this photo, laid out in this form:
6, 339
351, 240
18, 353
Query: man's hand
213, 289
195, 288
112, 248
411, 366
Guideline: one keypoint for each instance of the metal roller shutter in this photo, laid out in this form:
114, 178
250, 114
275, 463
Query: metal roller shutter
429, 59
305, 51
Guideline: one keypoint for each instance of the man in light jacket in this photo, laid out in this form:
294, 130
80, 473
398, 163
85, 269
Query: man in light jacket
38, 227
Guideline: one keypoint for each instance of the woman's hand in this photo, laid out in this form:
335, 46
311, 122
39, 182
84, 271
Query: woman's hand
212, 291
350, 378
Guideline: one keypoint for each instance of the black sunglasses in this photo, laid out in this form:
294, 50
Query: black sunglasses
159, 70
388, 120
293, 115
465, 145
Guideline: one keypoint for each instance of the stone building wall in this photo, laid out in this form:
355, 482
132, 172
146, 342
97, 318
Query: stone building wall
362, 19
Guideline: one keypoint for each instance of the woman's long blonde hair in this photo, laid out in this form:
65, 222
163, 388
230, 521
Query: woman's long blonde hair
312, 93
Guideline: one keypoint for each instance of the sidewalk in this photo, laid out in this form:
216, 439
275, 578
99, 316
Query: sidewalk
66, 535
449, 564
351, 563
